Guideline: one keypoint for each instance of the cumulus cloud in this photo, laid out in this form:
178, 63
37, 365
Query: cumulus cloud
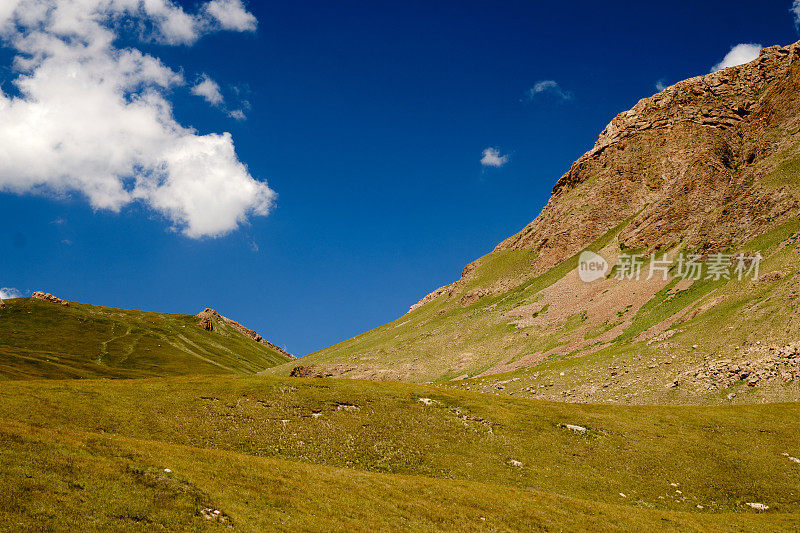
492, 158
7, 293
548, 87
91, 118
796, 11
209, 90
739, 55
661, 85
231, 15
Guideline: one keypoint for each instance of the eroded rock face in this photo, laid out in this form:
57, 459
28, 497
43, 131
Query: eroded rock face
694, 164
209, 317
206, 323
47, 297
679, 157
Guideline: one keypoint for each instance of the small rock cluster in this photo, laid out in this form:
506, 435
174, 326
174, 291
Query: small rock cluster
758, 506
662, 337
309, 371
573, 427
214, 515
774, 362
47, 297
792, 459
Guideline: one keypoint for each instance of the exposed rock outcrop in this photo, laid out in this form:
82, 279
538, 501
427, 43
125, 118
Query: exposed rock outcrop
309, 371
448, 289
209, 318
206, 322
47, 297
754, 366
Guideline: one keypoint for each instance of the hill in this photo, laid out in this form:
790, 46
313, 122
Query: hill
51, 338
706, 169
261, 454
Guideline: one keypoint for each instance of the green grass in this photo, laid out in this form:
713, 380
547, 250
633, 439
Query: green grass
502, 264
43, 340
349, 455
787, 171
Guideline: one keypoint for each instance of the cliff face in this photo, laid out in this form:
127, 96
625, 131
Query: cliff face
690, 165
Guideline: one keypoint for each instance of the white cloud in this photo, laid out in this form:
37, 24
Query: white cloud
209, 90
492, 158
231, 15
739, 55
238, 114
91, 118
548, 87
661, 85
171, 24
7, 293
796, 11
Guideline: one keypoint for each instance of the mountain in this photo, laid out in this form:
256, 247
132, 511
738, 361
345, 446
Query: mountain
704, 170
47, 337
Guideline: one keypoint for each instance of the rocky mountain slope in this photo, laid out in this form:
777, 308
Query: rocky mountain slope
47, 337
706, 164
709, 166
210, 320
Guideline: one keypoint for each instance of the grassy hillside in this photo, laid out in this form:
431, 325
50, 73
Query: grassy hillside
39, 339
556, 337
348, 455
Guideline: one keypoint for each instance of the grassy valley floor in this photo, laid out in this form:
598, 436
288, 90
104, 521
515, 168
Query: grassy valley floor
279, 453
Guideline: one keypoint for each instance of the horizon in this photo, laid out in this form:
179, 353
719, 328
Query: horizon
397, 146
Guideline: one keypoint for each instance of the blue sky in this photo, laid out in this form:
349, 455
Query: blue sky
369, 121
